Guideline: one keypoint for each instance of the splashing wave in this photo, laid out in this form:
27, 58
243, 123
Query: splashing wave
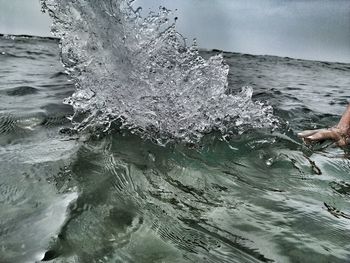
140, 72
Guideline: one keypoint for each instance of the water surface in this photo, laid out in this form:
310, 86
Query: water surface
260, 196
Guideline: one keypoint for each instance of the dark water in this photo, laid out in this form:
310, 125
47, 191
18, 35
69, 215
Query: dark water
258, 197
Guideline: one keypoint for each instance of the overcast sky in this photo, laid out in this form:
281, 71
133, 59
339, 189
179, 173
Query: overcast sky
310, 29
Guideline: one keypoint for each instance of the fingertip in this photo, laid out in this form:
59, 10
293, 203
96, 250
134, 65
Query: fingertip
307, 133
302, 134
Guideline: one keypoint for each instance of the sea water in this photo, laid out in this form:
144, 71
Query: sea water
93, 181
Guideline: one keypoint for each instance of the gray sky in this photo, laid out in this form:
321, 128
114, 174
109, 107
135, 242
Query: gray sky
23, 17
310, 29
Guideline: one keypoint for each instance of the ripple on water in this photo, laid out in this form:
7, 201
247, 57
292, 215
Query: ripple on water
10, 194
22, 91
7, 123
342, 188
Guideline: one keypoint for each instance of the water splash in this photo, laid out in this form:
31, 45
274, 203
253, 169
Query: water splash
141, 73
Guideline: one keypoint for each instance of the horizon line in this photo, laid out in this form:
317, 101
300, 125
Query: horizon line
54, 38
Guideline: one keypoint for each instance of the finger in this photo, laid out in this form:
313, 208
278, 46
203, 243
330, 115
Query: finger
343, 142
323, 135
308, 133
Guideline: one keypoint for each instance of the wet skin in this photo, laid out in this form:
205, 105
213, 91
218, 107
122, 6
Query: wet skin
340, 134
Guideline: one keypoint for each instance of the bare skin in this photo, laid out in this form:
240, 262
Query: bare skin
340, 134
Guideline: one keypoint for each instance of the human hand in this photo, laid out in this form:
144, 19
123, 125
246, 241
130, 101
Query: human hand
338, 134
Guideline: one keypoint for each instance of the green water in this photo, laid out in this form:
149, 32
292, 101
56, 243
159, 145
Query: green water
260, 196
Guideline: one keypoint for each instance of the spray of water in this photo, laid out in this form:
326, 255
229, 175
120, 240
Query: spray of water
139, 71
